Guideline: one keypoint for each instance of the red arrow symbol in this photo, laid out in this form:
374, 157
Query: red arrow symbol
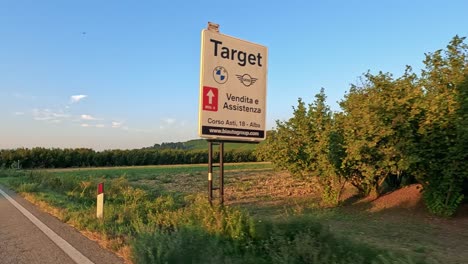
210, 95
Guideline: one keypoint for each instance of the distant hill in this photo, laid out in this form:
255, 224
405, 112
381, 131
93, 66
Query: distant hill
202, 144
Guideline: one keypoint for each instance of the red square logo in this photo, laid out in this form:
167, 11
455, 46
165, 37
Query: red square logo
210, 99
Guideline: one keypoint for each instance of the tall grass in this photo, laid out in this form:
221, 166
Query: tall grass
162, 228
299, 240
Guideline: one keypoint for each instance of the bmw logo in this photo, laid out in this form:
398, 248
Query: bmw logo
220, 74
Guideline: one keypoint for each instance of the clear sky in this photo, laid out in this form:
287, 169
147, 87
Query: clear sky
125, 74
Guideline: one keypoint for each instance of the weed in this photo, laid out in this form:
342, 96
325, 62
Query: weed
165, 226
27, 187
166, 179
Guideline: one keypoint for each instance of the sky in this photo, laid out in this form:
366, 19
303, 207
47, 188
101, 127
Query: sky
125, 74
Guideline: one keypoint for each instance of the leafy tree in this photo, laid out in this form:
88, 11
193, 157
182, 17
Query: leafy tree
286, 145
442, 145
379, 123
309, 145
365, 133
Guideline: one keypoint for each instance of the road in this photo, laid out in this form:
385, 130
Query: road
30, 236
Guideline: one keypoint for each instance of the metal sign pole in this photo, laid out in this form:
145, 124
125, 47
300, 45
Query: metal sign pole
211, 165
221, 173
210, 172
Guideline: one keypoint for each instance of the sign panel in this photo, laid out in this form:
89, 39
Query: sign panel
232, 88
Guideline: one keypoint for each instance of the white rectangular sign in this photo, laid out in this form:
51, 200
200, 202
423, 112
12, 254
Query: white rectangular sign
233, 79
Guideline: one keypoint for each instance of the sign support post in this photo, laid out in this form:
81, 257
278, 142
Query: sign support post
210, 172
220, 165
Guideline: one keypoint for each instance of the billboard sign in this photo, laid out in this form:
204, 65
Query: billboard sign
233, 79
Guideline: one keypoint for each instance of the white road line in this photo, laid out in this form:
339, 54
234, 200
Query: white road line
72, 252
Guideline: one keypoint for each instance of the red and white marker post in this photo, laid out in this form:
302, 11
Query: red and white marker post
100, 201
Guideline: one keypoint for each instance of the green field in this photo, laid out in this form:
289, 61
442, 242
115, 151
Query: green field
154, 213
201, 144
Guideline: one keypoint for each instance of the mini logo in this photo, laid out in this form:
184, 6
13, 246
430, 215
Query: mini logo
220, 74
246, 79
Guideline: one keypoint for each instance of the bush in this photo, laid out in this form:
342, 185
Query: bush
442, 201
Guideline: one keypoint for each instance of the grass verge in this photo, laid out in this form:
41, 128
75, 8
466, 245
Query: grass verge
158, 227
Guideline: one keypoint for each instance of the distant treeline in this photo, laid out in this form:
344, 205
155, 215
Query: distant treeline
170, 145
83, 157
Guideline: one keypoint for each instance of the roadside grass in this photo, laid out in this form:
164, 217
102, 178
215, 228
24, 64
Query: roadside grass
201, 144
154, 172
406, 232
157, 215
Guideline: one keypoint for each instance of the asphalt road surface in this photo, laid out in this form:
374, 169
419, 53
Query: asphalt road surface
30, 236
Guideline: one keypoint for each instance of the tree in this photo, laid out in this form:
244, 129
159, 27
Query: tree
378, 124
441, 144
308, 145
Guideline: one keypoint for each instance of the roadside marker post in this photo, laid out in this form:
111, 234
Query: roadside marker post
100, 201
